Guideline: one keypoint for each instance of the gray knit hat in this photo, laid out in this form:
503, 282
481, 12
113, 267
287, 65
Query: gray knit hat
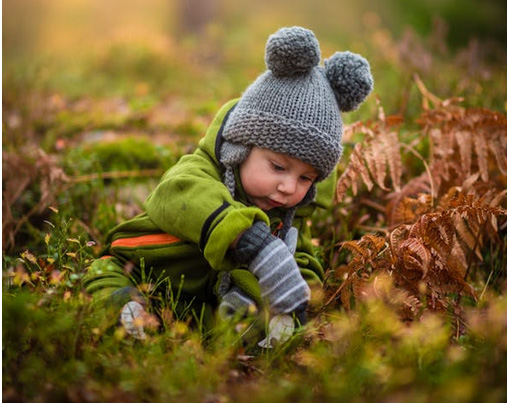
294, 107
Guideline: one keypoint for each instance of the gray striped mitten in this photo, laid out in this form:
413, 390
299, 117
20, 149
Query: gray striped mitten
271, 261
236, 304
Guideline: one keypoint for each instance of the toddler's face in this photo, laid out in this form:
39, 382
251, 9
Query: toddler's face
272, 179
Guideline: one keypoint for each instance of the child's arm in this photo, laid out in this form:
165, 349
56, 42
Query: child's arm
193, 204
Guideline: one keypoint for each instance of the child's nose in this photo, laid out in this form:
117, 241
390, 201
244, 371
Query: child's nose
288, 186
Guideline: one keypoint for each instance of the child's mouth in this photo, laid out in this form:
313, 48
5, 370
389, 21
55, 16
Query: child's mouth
274, 203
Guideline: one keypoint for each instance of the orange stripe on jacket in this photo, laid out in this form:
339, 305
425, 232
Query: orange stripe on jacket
146, 240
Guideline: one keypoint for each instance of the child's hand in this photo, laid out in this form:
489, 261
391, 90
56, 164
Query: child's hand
236, 303
291, 239
279, 277
271, 261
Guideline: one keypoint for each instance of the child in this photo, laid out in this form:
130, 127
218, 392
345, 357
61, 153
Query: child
227, 225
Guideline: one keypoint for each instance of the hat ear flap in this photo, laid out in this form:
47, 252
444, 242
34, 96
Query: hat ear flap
350, 78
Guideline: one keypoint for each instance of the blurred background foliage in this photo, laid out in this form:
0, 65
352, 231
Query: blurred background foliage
211, 49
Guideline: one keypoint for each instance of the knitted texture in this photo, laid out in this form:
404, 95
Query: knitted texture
271, 260
281, 282
236, 304
294, 107
231, 155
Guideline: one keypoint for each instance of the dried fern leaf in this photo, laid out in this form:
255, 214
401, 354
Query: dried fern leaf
392, 150
497, 200
443, 142
481, 149
358, 163
374, 244
416, 187
348, 178
397, 236
458, 258
376, 159
357, 248
464, 141
413, 255
470, 238
500, 152
429, 229
408, 210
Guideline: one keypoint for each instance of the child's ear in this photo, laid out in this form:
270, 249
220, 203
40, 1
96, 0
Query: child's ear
350, 78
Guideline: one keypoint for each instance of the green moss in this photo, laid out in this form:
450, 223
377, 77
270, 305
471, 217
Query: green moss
129, 154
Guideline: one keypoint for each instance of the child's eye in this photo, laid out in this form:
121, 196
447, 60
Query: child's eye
306, 179
277, 167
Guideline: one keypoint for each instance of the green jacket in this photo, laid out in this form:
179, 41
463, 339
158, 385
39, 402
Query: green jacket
181, 242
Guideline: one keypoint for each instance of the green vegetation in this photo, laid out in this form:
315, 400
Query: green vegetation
410, 311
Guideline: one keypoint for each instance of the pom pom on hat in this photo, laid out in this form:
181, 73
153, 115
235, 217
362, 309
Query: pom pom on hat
350, 78
292, 51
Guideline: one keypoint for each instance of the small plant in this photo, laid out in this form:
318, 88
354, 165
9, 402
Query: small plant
58, 270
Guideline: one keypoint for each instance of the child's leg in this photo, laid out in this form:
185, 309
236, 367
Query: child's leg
108, 283
112, 291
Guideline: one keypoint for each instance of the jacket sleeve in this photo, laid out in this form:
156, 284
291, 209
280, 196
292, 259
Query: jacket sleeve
193, 204
310, 267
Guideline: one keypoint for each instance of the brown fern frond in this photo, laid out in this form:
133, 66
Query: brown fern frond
436, 230
393, 156
358, 249
366, 249
365, 259
381, 287
413, 260
348, 288
374, 243
399, 210
481, 149
375, 158
350, 176
371, 158
458, 258
408, 209
357, 162
431, 257
497, 147
464, 141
